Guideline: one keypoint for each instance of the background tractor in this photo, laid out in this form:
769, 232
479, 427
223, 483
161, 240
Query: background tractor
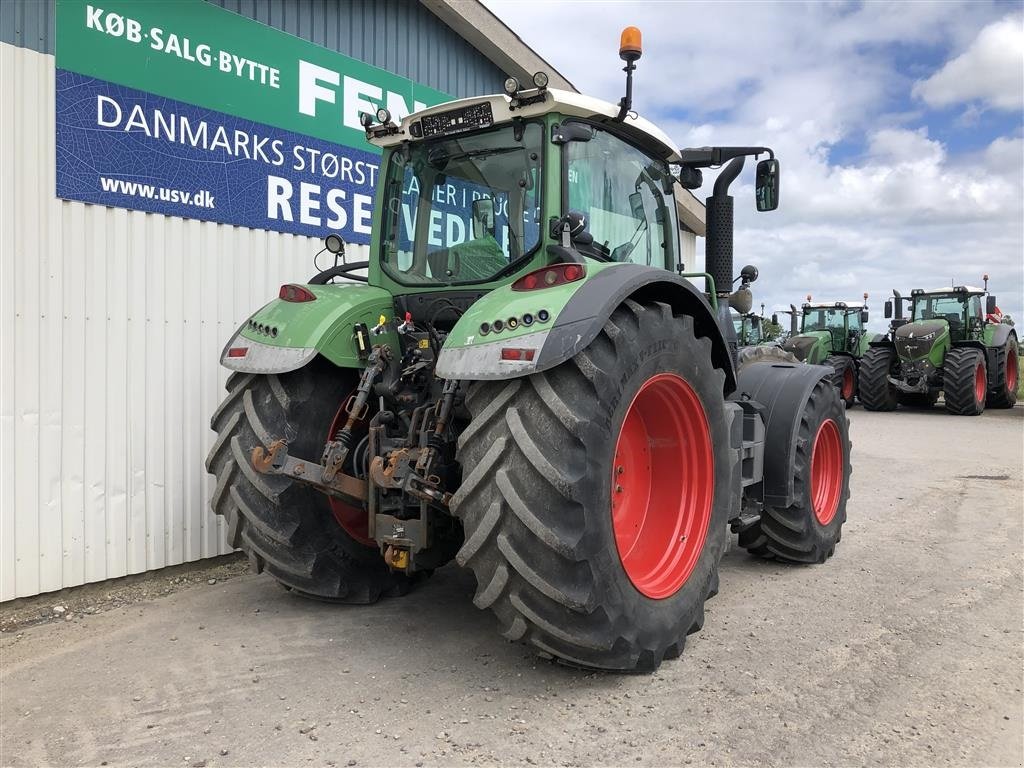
832, 334
527, 382
953, 343
757, 339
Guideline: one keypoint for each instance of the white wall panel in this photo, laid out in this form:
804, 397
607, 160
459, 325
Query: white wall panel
111, 327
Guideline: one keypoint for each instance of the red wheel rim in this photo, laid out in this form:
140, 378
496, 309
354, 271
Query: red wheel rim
662, 485
847, 383
979, 383
1011, 371
353, 519
826, 471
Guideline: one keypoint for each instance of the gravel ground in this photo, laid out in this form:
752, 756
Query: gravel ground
905, 649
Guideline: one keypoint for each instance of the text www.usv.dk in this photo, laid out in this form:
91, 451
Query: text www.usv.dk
200, 199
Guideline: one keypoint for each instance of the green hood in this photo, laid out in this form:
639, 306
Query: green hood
811, 347
923, 339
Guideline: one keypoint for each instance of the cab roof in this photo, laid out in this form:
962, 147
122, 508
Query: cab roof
949, 290
555, 100
852, 305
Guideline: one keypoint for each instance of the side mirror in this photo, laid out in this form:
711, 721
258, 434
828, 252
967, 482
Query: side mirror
775, 319
863, 315
766, 188
335, 245
990, 305
483, 217
888, 309
636, 206
749, 273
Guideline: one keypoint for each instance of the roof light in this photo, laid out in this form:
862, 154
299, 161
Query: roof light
540, 79
630, 48
383, 116
295, 293
511, 86
548, 277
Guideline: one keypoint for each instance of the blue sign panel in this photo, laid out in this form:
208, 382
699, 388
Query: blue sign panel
122, 147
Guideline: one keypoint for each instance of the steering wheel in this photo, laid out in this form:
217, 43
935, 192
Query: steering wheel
342, 270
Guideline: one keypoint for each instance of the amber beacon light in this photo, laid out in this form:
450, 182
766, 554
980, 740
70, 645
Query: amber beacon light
630, 48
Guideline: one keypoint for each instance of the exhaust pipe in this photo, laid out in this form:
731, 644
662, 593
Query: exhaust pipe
898, 315
793, 328
718, 250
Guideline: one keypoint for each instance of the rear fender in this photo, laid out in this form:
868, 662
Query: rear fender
578, 312
285, 335
782, 391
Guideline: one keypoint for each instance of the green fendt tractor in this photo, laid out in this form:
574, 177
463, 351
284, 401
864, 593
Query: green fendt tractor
952, 343
833, 334
527, 383
755, 343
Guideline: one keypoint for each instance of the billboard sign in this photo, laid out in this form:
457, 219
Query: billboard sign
182, 108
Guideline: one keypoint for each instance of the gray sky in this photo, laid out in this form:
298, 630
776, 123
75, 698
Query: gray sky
899, 127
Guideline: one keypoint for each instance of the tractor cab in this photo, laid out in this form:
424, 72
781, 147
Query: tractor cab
749, 328
828, 328
960, 308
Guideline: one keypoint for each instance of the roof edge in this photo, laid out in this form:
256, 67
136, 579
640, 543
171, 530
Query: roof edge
477, 25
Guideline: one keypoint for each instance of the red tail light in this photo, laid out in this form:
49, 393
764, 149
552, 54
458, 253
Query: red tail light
238, 351
547, 277
292, 292
524, 354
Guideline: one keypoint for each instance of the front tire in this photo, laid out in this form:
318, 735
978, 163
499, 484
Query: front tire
964, 381
808, 530
286, 528
877, 393
1004, 395
556, 462
844, 377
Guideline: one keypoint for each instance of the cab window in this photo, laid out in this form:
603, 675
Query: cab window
622, 195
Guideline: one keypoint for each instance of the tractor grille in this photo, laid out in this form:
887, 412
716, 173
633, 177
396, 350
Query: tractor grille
915, 340
800, 347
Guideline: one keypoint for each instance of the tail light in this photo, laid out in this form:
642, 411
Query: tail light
292, 292
517, 354
547, 277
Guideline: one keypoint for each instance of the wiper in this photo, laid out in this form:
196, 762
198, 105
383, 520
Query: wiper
439, 156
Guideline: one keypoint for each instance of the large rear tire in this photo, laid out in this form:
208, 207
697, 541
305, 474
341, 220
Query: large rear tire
844, 377
808, 530
964, 381
877, 393
596, 494
288, 529
1004, 395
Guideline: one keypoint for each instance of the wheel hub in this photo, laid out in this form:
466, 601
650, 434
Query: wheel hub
826, 471
979, 383
662, 485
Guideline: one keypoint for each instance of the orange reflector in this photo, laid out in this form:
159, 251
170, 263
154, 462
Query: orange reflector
517, 354
238, 352
629, 44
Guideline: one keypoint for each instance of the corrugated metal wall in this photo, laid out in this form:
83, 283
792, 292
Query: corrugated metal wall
111, 327
112, 321
400, 36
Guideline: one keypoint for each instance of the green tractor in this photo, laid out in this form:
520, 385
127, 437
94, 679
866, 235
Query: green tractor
749, 328
755, 345
953, 343
832, 334
525, 381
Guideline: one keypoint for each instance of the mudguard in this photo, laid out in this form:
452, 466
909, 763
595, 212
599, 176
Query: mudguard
576, 313
781, 390
1000, 334
285, 335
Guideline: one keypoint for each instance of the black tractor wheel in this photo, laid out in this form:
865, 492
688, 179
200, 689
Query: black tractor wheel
808, 530
287, 529
964, 381
764, 353
844, 377
918, 400
596, 494
877, 393
1004, 394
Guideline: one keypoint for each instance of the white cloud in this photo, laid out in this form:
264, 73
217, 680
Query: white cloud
990, 71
